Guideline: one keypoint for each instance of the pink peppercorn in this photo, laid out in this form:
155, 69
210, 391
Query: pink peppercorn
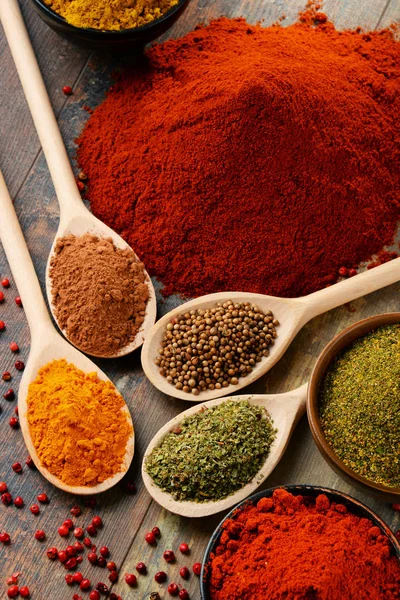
169, 556
184, 594
52, 553
69, 578
184, 573
13, 591
14, 347
43, 498
14, 423
75, 511
77, 577
104, 551
173, 589
197, 568
18, 502
5, 538
184, 548
91, 529
79, 533
150, 538
3, 487
141, 568
113, 576
131, 579
160, 577
24, 591
97, 522
85, 584
40, 535
35, 510
63, 531
6, 498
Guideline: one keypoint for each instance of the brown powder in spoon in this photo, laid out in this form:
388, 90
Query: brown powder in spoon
99, 293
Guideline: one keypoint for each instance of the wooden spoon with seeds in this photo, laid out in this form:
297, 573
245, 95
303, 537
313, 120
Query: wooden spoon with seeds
292, 314
75, 218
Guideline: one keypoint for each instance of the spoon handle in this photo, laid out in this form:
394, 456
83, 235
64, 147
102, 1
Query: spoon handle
40, 107
352, 288
22, 267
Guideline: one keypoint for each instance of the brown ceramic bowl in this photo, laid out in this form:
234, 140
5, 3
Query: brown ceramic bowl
341, 341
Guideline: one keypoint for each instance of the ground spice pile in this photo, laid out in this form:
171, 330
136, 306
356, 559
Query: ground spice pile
77, 426
99, 293
249, 158
110, 14
297, 548
360, 406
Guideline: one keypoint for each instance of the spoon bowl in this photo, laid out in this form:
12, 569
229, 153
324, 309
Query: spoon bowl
75, 218
292, 314
285, 411
46, 343
85, 222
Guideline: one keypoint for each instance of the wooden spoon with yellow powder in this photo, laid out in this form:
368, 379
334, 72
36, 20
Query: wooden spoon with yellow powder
75, 424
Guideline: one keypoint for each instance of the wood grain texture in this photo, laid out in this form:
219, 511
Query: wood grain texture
126, 517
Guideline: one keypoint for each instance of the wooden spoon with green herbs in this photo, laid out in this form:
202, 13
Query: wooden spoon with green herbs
215, 454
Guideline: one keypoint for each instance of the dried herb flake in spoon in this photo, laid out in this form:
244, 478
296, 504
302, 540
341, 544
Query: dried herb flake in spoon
360, 406
212, 453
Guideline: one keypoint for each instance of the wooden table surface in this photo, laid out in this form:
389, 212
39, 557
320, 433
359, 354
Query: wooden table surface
127, 518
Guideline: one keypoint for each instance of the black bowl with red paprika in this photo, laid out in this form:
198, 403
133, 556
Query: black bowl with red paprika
342, 511
115, 41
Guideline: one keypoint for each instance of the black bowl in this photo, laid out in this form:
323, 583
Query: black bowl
353, 505
110, 40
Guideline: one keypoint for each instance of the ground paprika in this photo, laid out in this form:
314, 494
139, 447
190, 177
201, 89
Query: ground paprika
250, 158
296, 548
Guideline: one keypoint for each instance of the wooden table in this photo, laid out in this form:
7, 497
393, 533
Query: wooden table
127, 518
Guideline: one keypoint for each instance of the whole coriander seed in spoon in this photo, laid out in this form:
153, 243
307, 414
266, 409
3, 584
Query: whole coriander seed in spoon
207, 349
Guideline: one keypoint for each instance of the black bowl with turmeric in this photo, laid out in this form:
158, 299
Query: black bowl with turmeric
110, 31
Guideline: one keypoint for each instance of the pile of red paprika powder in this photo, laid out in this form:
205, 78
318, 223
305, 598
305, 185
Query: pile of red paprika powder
248, 158
296, 548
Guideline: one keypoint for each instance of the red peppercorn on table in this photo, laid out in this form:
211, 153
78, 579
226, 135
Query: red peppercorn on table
39, 519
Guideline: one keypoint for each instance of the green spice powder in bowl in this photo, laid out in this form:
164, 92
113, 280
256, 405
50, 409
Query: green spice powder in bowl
353, 404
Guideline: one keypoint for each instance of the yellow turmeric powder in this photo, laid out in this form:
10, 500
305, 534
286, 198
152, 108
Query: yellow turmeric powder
76, 424
110, 15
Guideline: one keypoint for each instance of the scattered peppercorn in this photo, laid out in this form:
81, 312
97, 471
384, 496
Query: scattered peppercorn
352, 272
18, 502
14, 347
196, 568
81, 185
94, 595
52, 553
343, 271
160, 577
113, 576
63, 531
76, 511
35, 510
87, 542
9, 395
85, 584
169, 556
17, 467
6, 376
131, 579
18, 301
102, 588
104, 551
82, 176
184, 594
29, 462
2, 324
184, 573
14, 423
156, 531
91, 529
69, 578
92, 558
5, 282
3, 487
1, 300
6, 499
78, 547
43, 498
71, 563
24, 591
70, 550
101, 562
141, 568
62, 556
97, 522
40, 535
5, 538
19, 365
67, 90
111, 566
13, 591
150, 538
184, 548
173, 589
77, 577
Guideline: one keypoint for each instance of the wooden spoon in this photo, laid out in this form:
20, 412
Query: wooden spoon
292, 314
46, 343
74, 216
285, 410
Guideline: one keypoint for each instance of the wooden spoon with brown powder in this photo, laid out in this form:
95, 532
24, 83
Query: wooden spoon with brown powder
75, 218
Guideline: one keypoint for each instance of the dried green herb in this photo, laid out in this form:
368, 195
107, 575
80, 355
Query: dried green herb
360, 406
213, 453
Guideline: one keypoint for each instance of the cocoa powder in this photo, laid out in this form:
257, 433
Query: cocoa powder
99, 293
